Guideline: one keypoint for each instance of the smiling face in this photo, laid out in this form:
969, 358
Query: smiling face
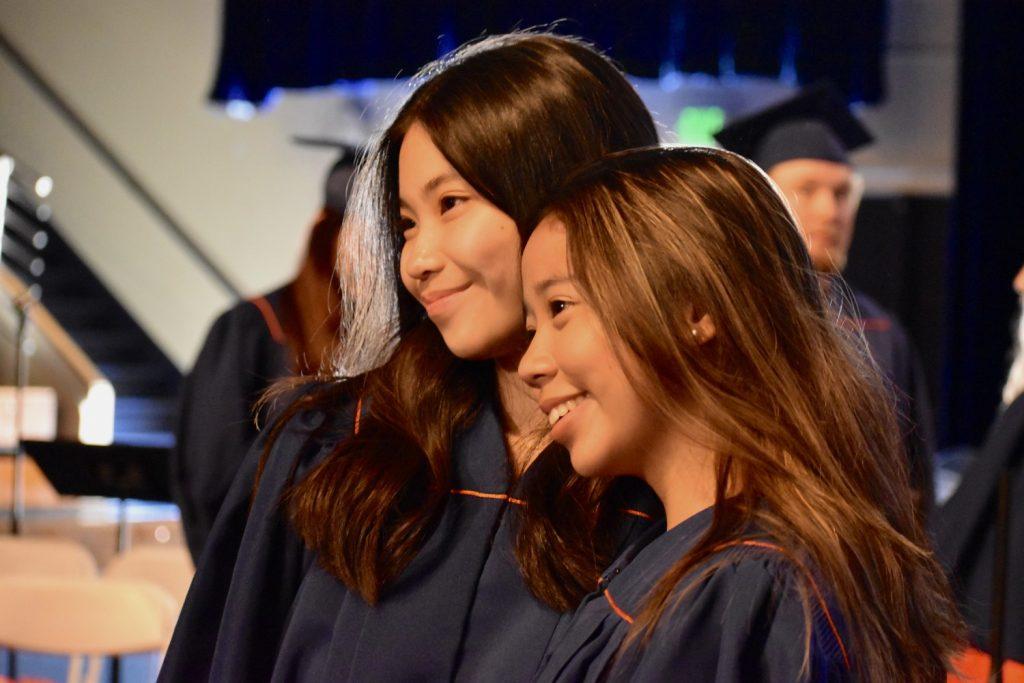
592, 407
460, 257
824, 196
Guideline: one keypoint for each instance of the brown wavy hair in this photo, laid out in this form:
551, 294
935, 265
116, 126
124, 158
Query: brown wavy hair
804, 430
514, 114
309, 311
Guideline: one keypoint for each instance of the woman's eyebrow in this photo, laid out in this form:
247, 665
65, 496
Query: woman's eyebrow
437, 180
431, 185
550, 282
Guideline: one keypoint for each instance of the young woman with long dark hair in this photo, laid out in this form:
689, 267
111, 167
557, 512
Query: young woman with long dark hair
403, 526
680, 335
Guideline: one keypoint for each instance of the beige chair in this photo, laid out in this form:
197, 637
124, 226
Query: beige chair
31, 556
86, 619
169, 567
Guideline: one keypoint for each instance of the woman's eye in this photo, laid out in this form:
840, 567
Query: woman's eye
448, 203
558, 306
405, 225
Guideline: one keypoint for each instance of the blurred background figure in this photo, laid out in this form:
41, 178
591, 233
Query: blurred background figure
803, 144
979, 532
288, 331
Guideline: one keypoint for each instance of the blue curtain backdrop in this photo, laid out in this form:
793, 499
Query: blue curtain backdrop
986, 246
269, 44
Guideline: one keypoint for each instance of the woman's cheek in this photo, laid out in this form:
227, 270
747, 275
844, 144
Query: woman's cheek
403, 273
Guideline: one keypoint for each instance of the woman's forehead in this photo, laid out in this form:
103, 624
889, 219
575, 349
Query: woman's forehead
545, 255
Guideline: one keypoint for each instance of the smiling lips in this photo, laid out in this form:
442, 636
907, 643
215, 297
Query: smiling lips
562, 409
437, 297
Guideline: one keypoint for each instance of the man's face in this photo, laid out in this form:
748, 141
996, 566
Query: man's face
824, 196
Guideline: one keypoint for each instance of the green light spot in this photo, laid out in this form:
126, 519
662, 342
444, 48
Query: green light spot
697, 125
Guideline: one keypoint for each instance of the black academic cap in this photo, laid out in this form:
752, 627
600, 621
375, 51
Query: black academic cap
338, 180
814, 124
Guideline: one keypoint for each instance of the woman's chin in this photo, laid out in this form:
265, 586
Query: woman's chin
587, 465
473, 345
470, 349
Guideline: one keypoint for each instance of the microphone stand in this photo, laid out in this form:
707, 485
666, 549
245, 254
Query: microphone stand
22, 303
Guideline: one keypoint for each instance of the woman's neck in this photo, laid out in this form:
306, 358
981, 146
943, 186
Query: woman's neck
681, 471
522, 418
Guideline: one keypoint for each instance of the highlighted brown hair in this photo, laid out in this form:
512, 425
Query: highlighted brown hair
514, 115
805, 434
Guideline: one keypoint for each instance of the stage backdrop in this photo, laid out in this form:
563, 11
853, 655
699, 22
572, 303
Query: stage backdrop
986, 241
269, 44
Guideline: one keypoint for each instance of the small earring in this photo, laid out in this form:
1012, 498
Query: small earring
696, 335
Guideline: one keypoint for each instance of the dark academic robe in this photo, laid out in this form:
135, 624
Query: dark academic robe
964, 531
744, 622
895, 355
244, 352
261, 608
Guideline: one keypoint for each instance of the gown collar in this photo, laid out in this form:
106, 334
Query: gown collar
480, 459
639, 567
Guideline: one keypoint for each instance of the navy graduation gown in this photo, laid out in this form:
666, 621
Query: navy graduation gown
243, 353
744, 622
896, 358
261, 608
965, 534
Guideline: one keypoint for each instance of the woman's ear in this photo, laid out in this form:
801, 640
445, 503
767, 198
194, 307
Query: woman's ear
702, 327
705, 329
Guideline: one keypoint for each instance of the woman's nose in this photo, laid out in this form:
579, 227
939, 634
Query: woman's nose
424, 254
537, 365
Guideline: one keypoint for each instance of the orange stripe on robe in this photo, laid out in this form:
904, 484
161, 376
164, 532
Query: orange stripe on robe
973, 667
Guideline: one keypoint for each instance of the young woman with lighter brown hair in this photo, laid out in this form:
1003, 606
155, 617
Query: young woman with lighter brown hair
403, 526
680, 335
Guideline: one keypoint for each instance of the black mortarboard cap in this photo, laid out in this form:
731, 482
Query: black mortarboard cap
339, 177
814, 124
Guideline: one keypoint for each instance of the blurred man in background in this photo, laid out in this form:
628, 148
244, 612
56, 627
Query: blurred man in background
803, 143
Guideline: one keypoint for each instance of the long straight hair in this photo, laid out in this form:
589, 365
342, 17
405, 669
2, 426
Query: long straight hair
806, 442
514, 115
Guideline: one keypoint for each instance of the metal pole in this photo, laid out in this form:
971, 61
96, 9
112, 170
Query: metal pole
124, 541
999, 576
22, 302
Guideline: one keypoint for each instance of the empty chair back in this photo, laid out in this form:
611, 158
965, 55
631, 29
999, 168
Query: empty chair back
83, 618
28, 556
169, 567
78, 616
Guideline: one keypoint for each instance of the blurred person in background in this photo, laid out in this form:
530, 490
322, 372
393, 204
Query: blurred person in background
803, 143
979, 532
286, 332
